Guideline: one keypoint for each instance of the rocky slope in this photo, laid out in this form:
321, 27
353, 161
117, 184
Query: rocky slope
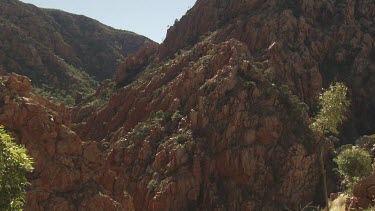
212, 122
226, 138
313, 44
62, 53
69, 174
216, 118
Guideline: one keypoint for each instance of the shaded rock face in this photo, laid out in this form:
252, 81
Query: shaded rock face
133, 65
313, 43
231, 134
364, 193
208, 130
61, 51
68, 173
206, 121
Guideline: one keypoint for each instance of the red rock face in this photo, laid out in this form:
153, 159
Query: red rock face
68, 172
206, 121
363, 193
243, 140
314, 43
234, 145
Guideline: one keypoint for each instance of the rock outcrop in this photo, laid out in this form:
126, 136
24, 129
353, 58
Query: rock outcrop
216, 118
68, 173
364, 192
208, 129
61, 53
313, 43
213, 123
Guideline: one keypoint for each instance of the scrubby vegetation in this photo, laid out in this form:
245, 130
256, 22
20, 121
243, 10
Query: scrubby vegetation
353, 165
14, 164
333, 103
353, 162
83, 86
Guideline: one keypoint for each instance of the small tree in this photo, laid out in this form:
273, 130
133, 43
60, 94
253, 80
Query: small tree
14, 164
354, 165
333, 104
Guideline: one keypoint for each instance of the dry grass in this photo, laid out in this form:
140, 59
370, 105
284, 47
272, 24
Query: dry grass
339, 203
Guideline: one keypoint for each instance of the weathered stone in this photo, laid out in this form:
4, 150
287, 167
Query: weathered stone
60, 158
364, 191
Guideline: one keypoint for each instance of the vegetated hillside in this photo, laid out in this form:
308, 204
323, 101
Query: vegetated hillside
69, 174
212, 121
312, 42
62, 53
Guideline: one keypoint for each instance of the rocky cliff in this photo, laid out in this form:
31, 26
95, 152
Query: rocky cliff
209, 130
62, 53
215, 118
69, 174
312, 43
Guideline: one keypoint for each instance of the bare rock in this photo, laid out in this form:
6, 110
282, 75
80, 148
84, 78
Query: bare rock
364, 191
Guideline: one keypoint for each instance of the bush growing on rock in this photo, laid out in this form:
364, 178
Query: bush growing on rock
333, 104
14, 164
366, 142
353, 164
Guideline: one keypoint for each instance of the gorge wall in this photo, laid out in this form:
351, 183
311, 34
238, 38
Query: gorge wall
215, 118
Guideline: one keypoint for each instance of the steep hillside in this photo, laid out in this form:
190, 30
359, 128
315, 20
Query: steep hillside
209, 130
63, 54
216, 119
69, 174
313, 43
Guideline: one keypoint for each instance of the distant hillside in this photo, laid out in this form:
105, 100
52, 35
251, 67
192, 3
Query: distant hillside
63, 54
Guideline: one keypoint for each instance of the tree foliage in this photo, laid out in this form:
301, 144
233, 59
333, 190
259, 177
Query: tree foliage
14, 164
333, 103
366, 142
354, 164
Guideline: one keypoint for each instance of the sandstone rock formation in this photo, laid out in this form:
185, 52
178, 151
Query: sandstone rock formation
216, 118
364, 192
241, 140
59, 51
313, 43
207, 130
68, 173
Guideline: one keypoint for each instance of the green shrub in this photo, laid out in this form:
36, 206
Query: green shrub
333, 103
343, 148
182, 138
104, 146
163, 183
354, 165
152, 184
366, 142
14, 164
249, 84
269, 73
259, 65
177, 116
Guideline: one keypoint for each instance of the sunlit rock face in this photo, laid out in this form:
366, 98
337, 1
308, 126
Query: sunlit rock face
314, 43
234, 83
60, 52
68, 173
215, 118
